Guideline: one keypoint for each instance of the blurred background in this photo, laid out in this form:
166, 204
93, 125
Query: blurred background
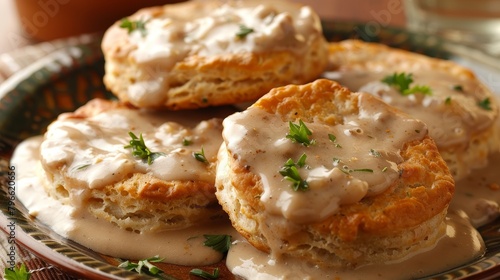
26, 22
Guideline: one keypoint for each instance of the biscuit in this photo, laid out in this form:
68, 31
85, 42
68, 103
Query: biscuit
204, 53
369, 184
88, 164
458, 109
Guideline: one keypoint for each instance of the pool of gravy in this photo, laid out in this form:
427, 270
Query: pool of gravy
475, 203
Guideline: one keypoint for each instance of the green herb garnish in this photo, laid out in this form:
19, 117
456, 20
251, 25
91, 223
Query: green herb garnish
447, 101
458, 88
200, 156
402, 82
218, 242
143, 266
186, 142
375, 153
17, 273
290, 172
346, 170
300, 134
243, 31
82, 167
362, 170
205, 275
333, 138
418, 89
384, 169
132, 25
485, 104
140, 150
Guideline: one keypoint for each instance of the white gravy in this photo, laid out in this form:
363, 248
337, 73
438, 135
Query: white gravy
91, 152
362, 159
461, 244
183, 247
452, 116
211, 29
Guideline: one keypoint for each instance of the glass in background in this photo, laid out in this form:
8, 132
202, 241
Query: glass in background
474, 22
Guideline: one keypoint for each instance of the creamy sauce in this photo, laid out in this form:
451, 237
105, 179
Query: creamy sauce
362, 159
91, 152
452, 116
211, 28
479, 194
183, 247
475, 203
460, 244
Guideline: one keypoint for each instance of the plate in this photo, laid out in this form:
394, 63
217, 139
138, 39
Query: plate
68, 78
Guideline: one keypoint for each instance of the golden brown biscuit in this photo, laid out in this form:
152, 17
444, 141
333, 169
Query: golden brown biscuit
89, 164
202, 53
458, 109
369, 187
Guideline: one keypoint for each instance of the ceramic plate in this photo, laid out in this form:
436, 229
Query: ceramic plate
68, 78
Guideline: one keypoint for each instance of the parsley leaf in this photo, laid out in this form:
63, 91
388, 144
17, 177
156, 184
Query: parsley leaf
205, 275
290, 172
143, 266
218, 242
418, 89
458, 88
140, 150
375, 153
200, 156
17, 273
186, 142
131, 26
243, 31
300, 134
485, 104
402, 82
447, 101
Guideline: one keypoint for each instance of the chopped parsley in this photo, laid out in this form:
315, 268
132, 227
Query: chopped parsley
140, 150
458, 88
244, 31
186, 142
82, 167
205, 275
218, 242
132, 25
402, 81
375, 153
17, 273
347, 170
447, 101
300, 134
485, 104
290, 172
333, 138
143, 266
200, 156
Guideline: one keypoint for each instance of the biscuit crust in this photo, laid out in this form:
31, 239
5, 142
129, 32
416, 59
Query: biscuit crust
195, 73
464, 131
407, 216
91, 169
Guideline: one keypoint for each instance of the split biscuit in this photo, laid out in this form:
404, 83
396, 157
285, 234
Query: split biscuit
166, 182
365, 185
458, 109
204, 53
